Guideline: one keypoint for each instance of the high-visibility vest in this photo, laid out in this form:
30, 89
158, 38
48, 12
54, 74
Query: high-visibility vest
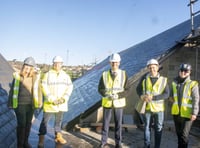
113, 87
56, 86
156, 89
185, 109
37, 94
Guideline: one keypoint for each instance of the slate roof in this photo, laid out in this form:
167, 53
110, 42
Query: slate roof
7, 117
85, 97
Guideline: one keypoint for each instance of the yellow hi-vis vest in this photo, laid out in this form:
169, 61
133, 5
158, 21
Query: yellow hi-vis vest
156, 89
56, 86
113, 87
37, 94
185, 109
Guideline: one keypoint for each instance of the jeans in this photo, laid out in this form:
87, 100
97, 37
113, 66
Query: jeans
56, 123
157, 118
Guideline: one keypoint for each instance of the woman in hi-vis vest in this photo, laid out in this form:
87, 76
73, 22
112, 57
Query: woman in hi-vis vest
113, 87
185, 107
25, 95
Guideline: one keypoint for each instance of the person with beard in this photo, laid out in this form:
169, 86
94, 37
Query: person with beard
185, 107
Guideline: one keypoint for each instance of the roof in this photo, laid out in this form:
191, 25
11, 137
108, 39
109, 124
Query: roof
7, 117
85, 94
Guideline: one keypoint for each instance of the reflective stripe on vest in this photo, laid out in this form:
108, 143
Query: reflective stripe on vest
16, 90
37, 96
113, 87
156, 89
186, 101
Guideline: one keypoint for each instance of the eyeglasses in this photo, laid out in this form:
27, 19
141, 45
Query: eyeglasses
184, 70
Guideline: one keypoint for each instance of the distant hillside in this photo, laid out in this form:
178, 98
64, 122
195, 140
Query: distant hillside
74, 71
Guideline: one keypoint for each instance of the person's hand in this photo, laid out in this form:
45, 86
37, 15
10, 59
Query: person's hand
193, 117
146, 98
149, 97
143, 97
58, 101
61, 101
114, 96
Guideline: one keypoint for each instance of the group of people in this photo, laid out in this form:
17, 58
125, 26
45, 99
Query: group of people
51, 91
31, 90
154, 89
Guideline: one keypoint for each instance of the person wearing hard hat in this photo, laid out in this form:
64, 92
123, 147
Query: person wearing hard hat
154, 90
57, 88
185, 107
24, 96
113, 87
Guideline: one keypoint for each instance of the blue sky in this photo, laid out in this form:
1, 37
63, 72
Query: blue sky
83, 31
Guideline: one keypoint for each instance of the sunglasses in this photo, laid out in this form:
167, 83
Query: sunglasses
184, 70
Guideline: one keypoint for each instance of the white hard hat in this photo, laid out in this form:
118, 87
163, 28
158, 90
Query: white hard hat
57, 59
115, 58
30, 61
152, 62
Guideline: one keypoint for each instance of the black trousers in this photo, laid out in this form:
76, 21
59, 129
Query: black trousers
24, 115
107, 113
183, 127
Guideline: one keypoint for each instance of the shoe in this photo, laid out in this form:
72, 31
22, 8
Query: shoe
59, 139
118, 146
102, 145
41, 141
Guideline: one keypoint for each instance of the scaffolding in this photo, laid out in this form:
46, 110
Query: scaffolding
192, 14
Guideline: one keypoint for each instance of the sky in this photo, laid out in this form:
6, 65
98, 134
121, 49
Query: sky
83, 32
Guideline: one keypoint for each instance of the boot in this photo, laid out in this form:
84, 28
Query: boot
158, 135
20, 137
59, 138
41, 141
27, 132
